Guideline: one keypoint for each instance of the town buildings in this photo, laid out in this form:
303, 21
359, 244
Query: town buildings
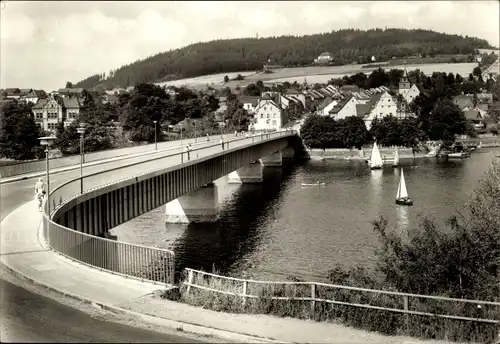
50, 112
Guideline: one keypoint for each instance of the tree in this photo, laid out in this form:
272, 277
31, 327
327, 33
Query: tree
19, 133
149, 103
252, 90
226, 56
69, 84
387, 131
240, 119
352, 132
446, 121
477, 72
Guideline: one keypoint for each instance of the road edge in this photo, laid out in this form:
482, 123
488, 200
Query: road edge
169, 323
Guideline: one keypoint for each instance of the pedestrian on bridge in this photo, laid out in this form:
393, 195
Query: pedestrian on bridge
208, 137
188, 150
39, 186
222, 142
40, 199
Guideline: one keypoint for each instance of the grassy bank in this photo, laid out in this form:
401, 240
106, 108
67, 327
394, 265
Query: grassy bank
229, 299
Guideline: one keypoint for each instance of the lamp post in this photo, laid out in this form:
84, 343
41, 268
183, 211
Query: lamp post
47, 142
156, 141
81, 130
195, 139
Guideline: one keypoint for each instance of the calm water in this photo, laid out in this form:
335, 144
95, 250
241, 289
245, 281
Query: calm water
279, 228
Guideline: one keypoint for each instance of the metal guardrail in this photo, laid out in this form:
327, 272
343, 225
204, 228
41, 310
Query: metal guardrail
130, 260
313, 292
19, 168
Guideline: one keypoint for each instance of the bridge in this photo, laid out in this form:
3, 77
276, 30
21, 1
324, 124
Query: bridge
76, 223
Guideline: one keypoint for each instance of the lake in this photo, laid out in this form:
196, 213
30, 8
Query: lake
280, 228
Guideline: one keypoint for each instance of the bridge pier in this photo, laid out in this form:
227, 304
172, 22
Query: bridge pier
288, 153
274, 159
198, 206
248, 174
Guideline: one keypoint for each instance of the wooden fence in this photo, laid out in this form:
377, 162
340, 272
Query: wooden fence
314, 293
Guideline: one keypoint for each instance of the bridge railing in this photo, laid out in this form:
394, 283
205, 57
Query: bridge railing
136, 261
312, 296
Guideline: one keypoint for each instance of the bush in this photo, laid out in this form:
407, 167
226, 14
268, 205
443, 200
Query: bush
384, 321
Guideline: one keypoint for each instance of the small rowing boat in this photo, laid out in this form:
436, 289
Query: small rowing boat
315, 184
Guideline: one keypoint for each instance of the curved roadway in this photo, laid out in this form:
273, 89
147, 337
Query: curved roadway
28, 316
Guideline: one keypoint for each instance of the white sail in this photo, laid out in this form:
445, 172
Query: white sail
402, 191
376, 158
396, 158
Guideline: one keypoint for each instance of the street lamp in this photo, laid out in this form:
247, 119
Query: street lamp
156, 143
47, 141
195, 139
81, 130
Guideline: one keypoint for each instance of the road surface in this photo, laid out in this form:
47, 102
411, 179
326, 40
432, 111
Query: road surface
28, 316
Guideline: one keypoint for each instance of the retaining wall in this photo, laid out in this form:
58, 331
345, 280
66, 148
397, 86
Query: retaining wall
365, 153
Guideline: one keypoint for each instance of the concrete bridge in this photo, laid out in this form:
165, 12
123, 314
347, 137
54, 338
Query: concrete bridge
79, 222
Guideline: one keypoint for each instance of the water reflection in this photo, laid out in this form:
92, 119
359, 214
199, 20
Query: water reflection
223, 245
402, 219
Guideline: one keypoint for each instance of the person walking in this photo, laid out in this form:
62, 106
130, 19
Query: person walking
222, 142
39, 186
188, 150
41, 200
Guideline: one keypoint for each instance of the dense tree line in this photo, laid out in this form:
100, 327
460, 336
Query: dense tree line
19, 133
233, 55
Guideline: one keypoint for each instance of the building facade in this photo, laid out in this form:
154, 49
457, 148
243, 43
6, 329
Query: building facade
268, 116
48, 113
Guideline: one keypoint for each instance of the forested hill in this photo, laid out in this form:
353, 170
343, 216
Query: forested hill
234, 55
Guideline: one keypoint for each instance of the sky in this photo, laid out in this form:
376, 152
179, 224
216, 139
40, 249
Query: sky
46, 43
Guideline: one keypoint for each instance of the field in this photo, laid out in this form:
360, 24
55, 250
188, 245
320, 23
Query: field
313, 74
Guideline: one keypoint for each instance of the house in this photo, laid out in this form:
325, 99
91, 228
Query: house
30, 97
71, 110
464, 100
485, 98
379, 106
268, 115
326, 106
492, 71
325, 57
475, 117
345, 108
291, 93
362, 97
249, 103
406, 90
110, 99
12, 93
68, 92
48, 113
348, 89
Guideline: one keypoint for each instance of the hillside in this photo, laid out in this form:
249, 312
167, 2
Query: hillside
234, 55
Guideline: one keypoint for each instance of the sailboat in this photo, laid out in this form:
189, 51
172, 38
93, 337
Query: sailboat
375, 160
402, 197
395, 163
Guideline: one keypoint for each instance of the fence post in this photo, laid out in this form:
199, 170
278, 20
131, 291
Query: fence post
407, 316
313, 299
244, 293
190, 280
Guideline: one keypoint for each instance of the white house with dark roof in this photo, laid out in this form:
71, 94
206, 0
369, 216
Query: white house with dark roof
345, 108
268, 115
379, 106
249, 103
324, 58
